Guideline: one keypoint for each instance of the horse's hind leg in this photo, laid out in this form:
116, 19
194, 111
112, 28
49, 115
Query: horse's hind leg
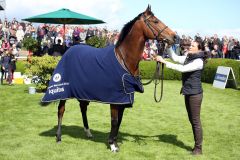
120, 115
83, 107
116, 118
61, 109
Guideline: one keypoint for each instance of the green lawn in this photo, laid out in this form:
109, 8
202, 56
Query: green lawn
149, 130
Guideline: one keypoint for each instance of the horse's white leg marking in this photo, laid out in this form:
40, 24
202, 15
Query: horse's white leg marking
114, 148
88, 133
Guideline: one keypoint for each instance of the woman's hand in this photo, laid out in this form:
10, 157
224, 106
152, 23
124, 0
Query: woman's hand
160, 59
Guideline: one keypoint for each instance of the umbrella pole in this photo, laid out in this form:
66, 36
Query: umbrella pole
63, 33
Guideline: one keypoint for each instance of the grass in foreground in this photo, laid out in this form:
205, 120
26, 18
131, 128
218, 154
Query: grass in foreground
149, 130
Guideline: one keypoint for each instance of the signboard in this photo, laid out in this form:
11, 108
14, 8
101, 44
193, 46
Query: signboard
222, 77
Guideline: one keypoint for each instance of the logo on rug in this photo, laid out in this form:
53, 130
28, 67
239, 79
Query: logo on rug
57, 77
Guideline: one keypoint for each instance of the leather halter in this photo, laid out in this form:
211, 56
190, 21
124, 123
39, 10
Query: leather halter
150, 26
157, 77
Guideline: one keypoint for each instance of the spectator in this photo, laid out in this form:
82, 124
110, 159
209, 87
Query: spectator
59, 37
230, 48
184, 44
5, 45
216, 41
1, 32
83, 35
90, 33
20, 34
12, 40
15, 50
12, 67
76, 33
69, 31
58, 49
236, 50
40, 33
216, 53
145, 54
76, 41
5, 60
13, 31
176, 46
153, 49
224, 46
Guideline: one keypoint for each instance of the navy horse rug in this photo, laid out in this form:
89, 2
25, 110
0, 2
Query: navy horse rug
92, 74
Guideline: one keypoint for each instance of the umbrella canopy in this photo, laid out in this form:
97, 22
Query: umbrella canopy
63, 16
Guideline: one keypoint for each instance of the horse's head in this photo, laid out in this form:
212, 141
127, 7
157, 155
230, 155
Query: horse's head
156, 29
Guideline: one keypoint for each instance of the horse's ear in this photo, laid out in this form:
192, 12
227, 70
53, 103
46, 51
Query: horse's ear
148, 8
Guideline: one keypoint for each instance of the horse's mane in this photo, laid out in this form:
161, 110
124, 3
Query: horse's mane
127, 27
125, 30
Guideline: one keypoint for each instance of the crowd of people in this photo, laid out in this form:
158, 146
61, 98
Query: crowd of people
53, 40
215, 47
13, 32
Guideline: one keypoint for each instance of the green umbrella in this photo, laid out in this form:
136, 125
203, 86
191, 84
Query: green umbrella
63, 16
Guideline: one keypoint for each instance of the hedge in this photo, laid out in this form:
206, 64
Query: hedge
43, 68
98, 42
147, 69
21, 66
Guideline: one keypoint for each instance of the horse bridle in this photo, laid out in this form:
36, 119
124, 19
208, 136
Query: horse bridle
150, 26
159, 68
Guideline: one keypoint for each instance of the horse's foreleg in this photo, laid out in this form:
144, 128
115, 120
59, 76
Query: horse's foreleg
112, 140
61, 109
83, 107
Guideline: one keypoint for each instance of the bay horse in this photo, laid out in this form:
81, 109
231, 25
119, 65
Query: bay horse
128, 53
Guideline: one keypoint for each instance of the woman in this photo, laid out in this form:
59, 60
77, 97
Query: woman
5, 44
5, 60
191, 67
12, 67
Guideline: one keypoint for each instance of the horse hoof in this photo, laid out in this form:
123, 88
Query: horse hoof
88, 133
114, 148
58, 141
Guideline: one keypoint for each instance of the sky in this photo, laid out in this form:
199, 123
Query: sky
188, 17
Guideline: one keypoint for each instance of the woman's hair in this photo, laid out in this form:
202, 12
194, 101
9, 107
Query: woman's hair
200, 44
202, 48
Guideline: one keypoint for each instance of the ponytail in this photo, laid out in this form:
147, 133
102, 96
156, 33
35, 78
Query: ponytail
205, 56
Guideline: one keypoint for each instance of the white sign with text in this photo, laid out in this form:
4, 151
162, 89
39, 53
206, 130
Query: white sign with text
221, 77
